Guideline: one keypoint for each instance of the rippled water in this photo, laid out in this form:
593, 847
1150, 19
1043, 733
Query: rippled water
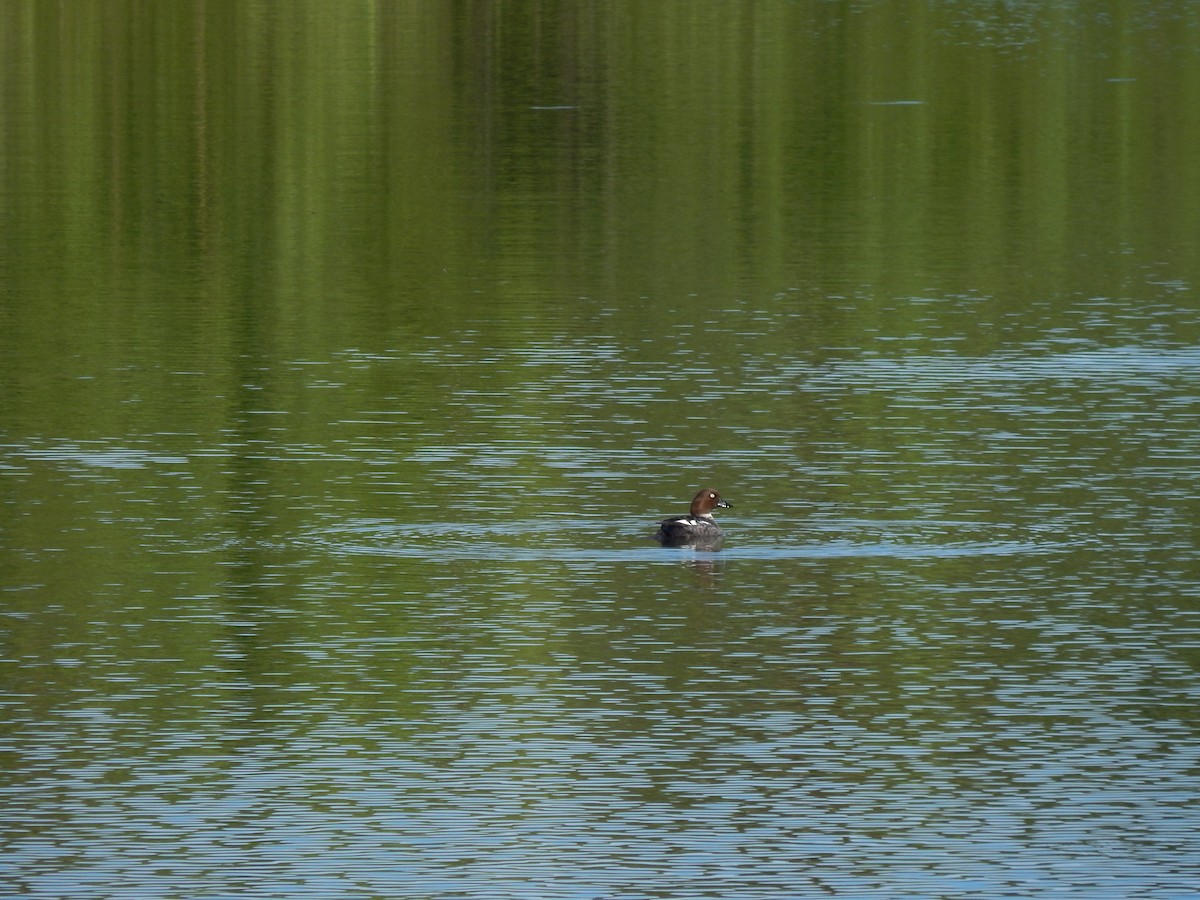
349, 357
964, 666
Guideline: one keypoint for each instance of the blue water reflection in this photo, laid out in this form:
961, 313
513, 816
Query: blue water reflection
568, 539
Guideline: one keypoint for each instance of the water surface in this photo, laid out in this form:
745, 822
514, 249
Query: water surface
350, 354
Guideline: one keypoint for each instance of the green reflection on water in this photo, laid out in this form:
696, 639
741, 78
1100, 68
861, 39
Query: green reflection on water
272, 271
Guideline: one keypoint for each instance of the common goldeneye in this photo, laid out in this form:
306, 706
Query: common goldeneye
698, 528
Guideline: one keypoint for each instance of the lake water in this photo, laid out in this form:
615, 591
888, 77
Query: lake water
349, 354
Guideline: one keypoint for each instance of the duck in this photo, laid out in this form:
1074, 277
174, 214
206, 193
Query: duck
698, 528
